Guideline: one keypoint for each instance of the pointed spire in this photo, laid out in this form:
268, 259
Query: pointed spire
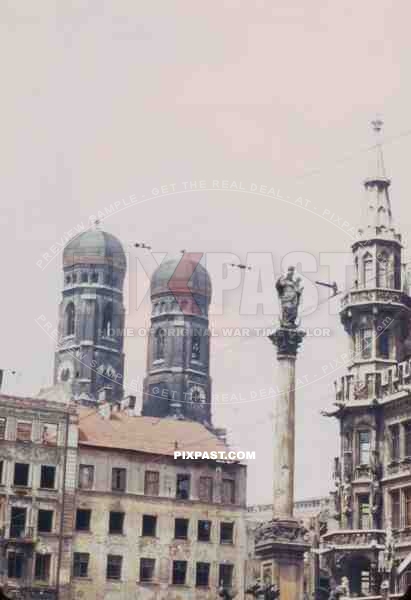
377, 125
377, 216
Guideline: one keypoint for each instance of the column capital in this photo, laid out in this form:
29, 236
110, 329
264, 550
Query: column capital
287, 341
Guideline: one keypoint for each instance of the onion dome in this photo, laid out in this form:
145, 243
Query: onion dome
95, 247
181, 275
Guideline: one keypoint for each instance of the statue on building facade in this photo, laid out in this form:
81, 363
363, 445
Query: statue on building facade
289, 291
346, 497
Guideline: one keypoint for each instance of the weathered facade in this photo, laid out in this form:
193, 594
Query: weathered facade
371, 548
38, 462
152, 527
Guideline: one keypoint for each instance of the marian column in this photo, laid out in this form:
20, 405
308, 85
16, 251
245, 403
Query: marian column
281, 543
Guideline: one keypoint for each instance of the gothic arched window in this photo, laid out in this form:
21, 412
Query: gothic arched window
367, 273
196, 347
107, 320
69, 319
383, 276
159, 344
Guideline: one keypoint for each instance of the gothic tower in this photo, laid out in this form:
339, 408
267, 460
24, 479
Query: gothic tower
373, 407
374, 312
177, 381
89, 354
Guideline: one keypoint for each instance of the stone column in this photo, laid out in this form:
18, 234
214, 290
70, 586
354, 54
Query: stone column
287, 341
282, 542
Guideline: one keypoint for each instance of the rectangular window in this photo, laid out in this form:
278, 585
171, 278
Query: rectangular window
45, 521
21, 474
83, 518
226, 533
407, 493
364, 511
183, 486
42, 567
18, 522
407, 439
116, 522
47, 478
395, 442
147, 566
205, 492
202, 574
23, 431
149, 526
364, 447
181, 529
228, 491
151, 483
49, 434
3, 422
179, 572
15, 564
1, 471
114, 564
384, 345
395, 509
80, 564
365, 336
86, 477
225, 575
204, 531
118, 480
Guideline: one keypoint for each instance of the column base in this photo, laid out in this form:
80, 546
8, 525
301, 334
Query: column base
282, 537
280, 545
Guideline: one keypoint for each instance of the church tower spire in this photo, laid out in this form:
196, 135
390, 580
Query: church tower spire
374, 312
178, 382
89, 355
377, 215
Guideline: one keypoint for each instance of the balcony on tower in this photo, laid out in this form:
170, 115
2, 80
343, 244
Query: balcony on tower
375, 385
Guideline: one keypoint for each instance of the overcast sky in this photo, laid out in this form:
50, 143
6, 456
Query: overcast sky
102, 100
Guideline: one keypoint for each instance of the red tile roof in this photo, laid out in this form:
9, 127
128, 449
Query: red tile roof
145, 434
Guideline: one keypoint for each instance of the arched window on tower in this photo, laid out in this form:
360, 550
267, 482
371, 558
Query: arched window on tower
107, 320
69, 319
356, 273
367, 272
159, 344
196, 347
383, 275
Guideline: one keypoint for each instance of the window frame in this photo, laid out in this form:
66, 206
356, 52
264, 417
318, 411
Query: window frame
144, 519
223, 526
120, 531
121, 485
78, 563
117, 558
152, 562
179, 566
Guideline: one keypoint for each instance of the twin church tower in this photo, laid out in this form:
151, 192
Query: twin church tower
90, 355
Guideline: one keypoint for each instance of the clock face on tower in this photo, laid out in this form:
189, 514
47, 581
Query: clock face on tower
197, 394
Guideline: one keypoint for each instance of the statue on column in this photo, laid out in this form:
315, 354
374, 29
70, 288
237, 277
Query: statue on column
289, 291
